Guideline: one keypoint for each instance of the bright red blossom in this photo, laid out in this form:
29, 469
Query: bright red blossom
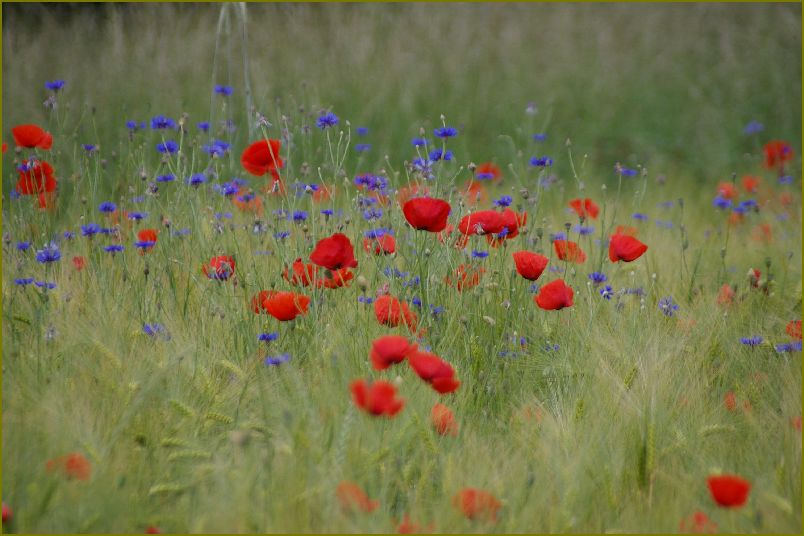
466, 277
7, 513
427, 213
728, 491
334, 252
262, 157
554, 296
625, 248
697, 523
221, 268
382, 245
477, 504
530, 265
434, 370
585, 208
443, 420
794, 329
392, 312
389, 350
377, 398
73, 465
281, 305
777, 153
31, 136
567, 250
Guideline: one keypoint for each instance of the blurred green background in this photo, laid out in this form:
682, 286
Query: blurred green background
671, 86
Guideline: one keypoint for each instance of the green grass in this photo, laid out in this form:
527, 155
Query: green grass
195, 434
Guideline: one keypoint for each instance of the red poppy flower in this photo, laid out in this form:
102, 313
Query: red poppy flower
408, 527
262, 157
73, 465
482, 222
354, 499
466, 277
5, 147
730, 401
389, 350
7, 513
477, 504
221, 268
569, 251
334, 252
79, 262
379, 398
511, 222
554, 296
753, 277
443, 420
335, 279
381, 245
303, 274
530, 265
728, 491
147, 235
585, 208
153, 530
35, 177
794, 329
625, 248
488, 171
392, 312
698, 523
30, 136
726, 190
427, 213
726, 295
751, 184
434, 370
474, 193
777, 153
281, 305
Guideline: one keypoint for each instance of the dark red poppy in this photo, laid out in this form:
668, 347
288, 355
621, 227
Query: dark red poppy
569, 251
334, 252
73, 465
354, 499
392, 312
7, 513
466, 277
728, 491
511, 222
625, 248
443, 420
794, 329
427, 213
147, 236
35, 177
751, 184
30, 136
434, 370
777, 153
262, 157
585, 208
221, 268
377, 398
389, 350
697, 523
281, 305
554, 296
482, 222
477, 504
530, 265
381, 245
153, 530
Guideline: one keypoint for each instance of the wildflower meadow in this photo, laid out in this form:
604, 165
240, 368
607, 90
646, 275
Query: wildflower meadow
414, 268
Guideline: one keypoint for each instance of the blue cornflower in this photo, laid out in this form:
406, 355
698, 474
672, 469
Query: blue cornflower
138, 199
170, 177
45, 285
144, 244
436, 310
412, 282
107, 207
23, 246
49, 253
152, 330
245, 198
747, 204
299, 215
377, 233
268, 337
504, 201
541, 161
327, 212
276, 359
181, 232
502, 234
168, 147
114, 248
786, 179
416, 301
216, 148
132, 125
484, 176
751, 341
362, 131
55, 85
88, 147
24, 281
419, 142
437, 154
539, 137
668, 306
222, 215
583, 230
362, 147
534, 288
196, 180
365, 299
445, 132
557, 236
137, 216
753, 127
552, 347
327, 120
607, 292
281, 235
598, 278
639, 216
789, 347
227, 188
224, 90
721, 202
203, 126
479, 254
372, 214
626, 172
665, 224
68, 235
90, 229
161, 122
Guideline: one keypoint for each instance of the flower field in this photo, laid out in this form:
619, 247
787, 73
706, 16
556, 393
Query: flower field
371, 268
